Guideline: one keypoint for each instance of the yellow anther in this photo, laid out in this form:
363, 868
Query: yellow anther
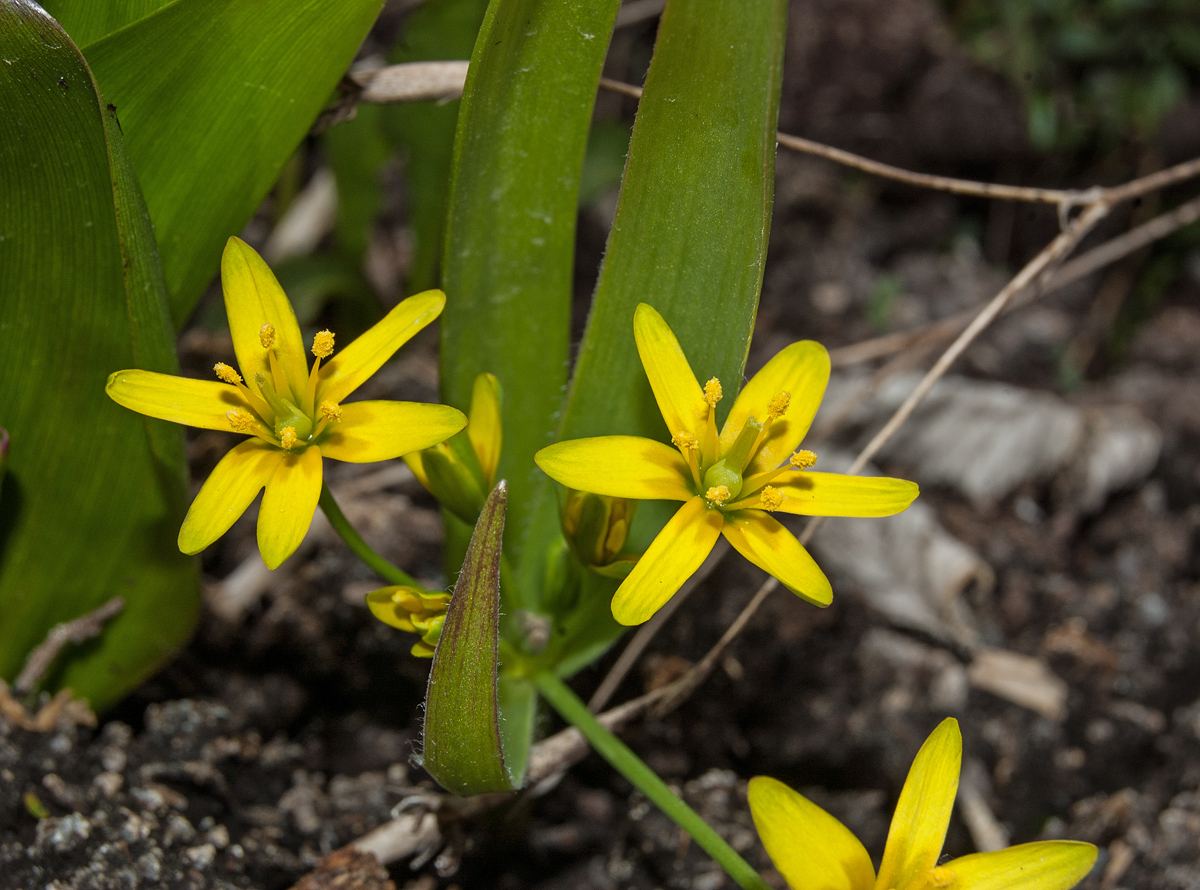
323, 344
227, 373
941, 877
287, 438
772, 498
718, 495
802, 460
779, 405
240, 420
683, 440
266, 335
331, 412
712, 391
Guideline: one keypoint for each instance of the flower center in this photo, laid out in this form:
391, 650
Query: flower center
276, 417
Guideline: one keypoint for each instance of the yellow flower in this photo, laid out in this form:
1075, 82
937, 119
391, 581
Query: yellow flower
813, 850
729, 482
294, 415
413, 610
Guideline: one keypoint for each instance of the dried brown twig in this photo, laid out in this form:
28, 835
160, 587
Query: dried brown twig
82, 628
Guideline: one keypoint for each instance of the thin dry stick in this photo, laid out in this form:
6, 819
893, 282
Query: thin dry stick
82, 628
1068, 273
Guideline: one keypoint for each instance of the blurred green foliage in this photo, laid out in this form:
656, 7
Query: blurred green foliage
1091, 72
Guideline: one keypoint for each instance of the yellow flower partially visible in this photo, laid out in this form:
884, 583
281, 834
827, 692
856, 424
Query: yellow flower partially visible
293, 414
814, 851
413, 610
729, 482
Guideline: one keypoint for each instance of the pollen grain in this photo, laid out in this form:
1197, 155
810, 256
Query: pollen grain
684, 441
331, 412
226, 373
771, 498
779, 405
288, 439
240, 420
712, 391
717, 495
323, 344
802, 460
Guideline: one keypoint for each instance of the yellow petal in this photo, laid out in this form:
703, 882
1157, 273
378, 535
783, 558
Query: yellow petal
836, 494
680, 398
800, 370
680, 548
199, 403
484, 424
253, 298
230, 488
810, 848
348, 369
762, 540
618, 466
288, 506
923, 812
371, 431
1042, 865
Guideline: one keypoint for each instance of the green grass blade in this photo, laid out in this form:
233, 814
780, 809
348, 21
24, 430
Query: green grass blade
213, 97
507, 267
94, 494
690, 232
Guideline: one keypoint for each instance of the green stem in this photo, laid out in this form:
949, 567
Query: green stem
361, 548
647, 781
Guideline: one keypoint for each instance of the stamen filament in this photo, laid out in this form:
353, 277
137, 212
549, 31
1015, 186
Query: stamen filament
797, 463
686, 443
277, 375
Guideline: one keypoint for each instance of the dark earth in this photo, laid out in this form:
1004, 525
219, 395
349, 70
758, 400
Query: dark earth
287, 729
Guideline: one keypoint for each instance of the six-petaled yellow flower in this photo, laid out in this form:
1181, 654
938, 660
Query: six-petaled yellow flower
293, 414
814, 851
729, 482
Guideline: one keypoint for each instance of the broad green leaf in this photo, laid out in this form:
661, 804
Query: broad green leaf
463, 747
213, 97
439, 30
691, 227
86, 21
507, 267
94, 494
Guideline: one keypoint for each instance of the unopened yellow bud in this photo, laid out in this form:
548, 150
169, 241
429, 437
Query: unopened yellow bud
240, 420
718, 495
226, 373
266, 335
323, 344
683, 440
802, 460
331, 412
771, 498
712, 391
779, 405
287, 438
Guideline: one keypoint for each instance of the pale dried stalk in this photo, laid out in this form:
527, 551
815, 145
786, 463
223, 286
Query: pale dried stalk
83, 628
1069, 272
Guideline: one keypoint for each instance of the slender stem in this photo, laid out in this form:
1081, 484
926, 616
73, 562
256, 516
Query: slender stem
617, 753
361, 548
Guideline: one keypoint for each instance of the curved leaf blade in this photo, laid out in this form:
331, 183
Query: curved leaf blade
94, 494
463, 746
213, 97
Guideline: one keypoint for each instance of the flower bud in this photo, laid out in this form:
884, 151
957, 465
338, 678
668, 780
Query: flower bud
451, 473
596, 526
414, 610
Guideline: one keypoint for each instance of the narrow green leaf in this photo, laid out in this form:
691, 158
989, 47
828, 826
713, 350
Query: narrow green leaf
507, 269
213, 97
690, 232
463, 747
86, 21
94, 494
439, 31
